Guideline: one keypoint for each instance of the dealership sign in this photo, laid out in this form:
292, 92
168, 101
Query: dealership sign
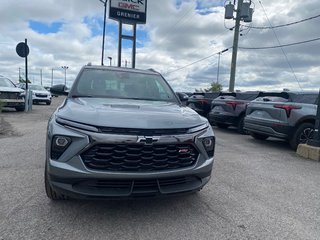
128, 11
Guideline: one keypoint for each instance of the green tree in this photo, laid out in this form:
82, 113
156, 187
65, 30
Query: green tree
22, 80
214, 87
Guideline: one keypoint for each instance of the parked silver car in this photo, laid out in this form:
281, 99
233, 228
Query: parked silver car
124, 133
286, 115
10, 95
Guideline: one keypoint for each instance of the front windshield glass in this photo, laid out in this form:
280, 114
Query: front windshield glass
122, 84
5, 82
36, 87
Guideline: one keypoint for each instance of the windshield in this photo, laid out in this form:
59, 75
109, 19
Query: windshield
120, 84
36, 87
5, 82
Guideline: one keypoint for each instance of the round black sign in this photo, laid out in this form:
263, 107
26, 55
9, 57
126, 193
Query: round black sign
22, 49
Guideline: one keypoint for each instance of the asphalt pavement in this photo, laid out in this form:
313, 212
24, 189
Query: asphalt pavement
258, 190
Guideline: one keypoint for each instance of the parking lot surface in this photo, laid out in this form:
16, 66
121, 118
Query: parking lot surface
259, 190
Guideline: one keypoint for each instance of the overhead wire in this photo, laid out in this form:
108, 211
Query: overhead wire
281, 46
276, 36
193, 63
282, 25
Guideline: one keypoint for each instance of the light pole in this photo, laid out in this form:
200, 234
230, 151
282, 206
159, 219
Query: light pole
219, 53
65, 74
110, 58
105, 2
51, 77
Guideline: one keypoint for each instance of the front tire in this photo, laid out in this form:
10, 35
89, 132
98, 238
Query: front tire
303, 133
258, 136
48, 103
52, 194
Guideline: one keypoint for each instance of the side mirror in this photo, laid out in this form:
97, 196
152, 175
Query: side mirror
59, 89
182, 96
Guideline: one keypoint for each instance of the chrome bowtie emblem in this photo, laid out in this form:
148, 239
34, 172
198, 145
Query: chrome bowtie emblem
148, 140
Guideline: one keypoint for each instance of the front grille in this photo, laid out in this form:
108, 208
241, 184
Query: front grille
41, 95
143, 132
139, 158
9, 95
128, 187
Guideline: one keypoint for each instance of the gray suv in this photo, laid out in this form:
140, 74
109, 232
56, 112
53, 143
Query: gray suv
229, 109
286, 115
124, 133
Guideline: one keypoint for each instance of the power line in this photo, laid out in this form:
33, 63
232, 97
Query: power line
282, 25
285, 55
200, 60
281, 46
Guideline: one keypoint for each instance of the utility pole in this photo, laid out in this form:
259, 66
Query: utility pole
41, 77
105, 2
243, 13
235, 48
65, 74
19, 74
51, 77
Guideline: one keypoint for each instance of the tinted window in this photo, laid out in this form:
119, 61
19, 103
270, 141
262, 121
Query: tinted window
305, 98
247, 96
225, 98
270, 99
120, 84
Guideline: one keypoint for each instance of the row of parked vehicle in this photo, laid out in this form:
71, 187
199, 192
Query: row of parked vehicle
13, 96
286, 115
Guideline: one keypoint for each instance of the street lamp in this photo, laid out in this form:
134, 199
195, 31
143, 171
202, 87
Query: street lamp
219, 53
110, 58
65, 74
104, 28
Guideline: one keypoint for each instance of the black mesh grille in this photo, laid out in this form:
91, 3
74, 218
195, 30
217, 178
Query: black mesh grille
139, 158
9, 95
138, 187
41, 95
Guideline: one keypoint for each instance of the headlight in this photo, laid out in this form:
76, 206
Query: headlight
198, 128
59, 145
209, 144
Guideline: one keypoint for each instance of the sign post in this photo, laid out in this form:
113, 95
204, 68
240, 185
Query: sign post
130, 12
22, 50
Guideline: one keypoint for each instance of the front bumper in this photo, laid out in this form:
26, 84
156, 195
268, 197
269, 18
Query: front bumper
70, 176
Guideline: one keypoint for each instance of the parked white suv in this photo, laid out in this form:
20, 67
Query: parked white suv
39, 93
10, 95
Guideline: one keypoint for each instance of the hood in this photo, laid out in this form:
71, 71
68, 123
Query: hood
128, 113
11, 89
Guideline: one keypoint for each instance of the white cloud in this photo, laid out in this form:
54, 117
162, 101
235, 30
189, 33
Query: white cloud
177, 35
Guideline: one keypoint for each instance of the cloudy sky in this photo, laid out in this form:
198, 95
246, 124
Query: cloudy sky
178, 34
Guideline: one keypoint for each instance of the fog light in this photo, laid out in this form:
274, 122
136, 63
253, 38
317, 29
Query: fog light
209, 144
61, 141
59, 145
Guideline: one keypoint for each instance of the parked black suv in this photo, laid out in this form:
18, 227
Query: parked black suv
201, 102
229, 109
